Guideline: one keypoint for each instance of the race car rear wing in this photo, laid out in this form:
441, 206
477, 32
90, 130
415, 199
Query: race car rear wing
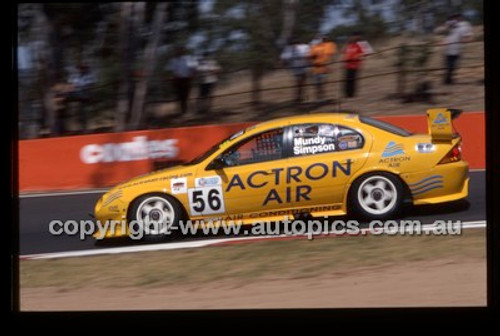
440, 124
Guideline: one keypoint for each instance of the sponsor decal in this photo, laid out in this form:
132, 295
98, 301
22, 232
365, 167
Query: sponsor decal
349, 137
137, 149
427, 184
207, 197
343, 145
178, 185
206, 201
297, 175
156, 179
440, 119
394, 155
393, 149
114, 208
352, 144
313, 145
208, 181
226, 218
295, 211
425, 148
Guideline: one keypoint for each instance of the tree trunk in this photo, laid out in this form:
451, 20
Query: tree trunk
256, 85
48, 70
402, 63
289, 14
148, 66
401, 82
124, 86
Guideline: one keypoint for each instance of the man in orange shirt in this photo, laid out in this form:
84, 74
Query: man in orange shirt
321, 55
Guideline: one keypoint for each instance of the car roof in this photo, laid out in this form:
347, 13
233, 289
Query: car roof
306, 118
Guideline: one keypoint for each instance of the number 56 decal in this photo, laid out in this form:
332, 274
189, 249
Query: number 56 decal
205, 201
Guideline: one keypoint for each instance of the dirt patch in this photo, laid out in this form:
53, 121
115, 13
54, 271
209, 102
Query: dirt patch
443, 282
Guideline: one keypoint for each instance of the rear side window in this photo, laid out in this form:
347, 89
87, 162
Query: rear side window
348, 138
384, 126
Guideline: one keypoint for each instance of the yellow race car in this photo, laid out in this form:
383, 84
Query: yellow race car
323, 164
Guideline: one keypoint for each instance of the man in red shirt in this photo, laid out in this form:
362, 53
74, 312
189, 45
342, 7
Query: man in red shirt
351, 55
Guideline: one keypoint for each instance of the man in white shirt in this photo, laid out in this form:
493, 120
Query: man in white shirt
183, 70
296, 56
458, 31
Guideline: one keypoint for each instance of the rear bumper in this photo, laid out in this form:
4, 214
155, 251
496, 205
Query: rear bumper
443, 183
446, 198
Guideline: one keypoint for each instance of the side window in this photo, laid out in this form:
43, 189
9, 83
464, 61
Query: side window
310, 139
262, 147
348, 138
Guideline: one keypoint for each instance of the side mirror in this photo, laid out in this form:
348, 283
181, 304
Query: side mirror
217, 163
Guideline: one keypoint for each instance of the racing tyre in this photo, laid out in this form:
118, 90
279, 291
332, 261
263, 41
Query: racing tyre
377, 196
157, 215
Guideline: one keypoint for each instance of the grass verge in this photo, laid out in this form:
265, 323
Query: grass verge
247, 262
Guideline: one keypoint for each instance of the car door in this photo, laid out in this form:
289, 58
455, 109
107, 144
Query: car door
248, 181
323, 157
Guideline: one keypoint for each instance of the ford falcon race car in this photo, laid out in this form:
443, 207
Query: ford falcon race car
323, 164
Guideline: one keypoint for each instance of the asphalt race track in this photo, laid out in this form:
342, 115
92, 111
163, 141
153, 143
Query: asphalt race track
36, 212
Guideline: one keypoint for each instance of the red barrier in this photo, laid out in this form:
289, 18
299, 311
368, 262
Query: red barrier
96, 161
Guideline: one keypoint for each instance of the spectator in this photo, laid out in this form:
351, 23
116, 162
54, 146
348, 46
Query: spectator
351, 55
183, 69
296, 56
458, 31
321, 55
80, 83
207, 70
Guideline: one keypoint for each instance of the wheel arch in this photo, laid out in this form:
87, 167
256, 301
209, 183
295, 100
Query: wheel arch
407, 197
184, 214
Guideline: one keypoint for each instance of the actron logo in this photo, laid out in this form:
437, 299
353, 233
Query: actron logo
440, 119
393, 149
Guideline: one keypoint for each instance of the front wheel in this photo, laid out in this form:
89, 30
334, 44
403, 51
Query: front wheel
155, 216
377, 196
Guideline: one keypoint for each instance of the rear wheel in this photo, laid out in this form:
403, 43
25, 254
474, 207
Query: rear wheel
155, 215
377, 196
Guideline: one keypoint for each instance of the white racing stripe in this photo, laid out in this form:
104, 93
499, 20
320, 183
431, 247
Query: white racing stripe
197, 244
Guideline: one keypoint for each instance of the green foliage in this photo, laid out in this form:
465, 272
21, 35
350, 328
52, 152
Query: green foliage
309, 15
375, 28
413, 56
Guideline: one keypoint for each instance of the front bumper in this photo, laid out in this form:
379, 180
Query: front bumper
111, 217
